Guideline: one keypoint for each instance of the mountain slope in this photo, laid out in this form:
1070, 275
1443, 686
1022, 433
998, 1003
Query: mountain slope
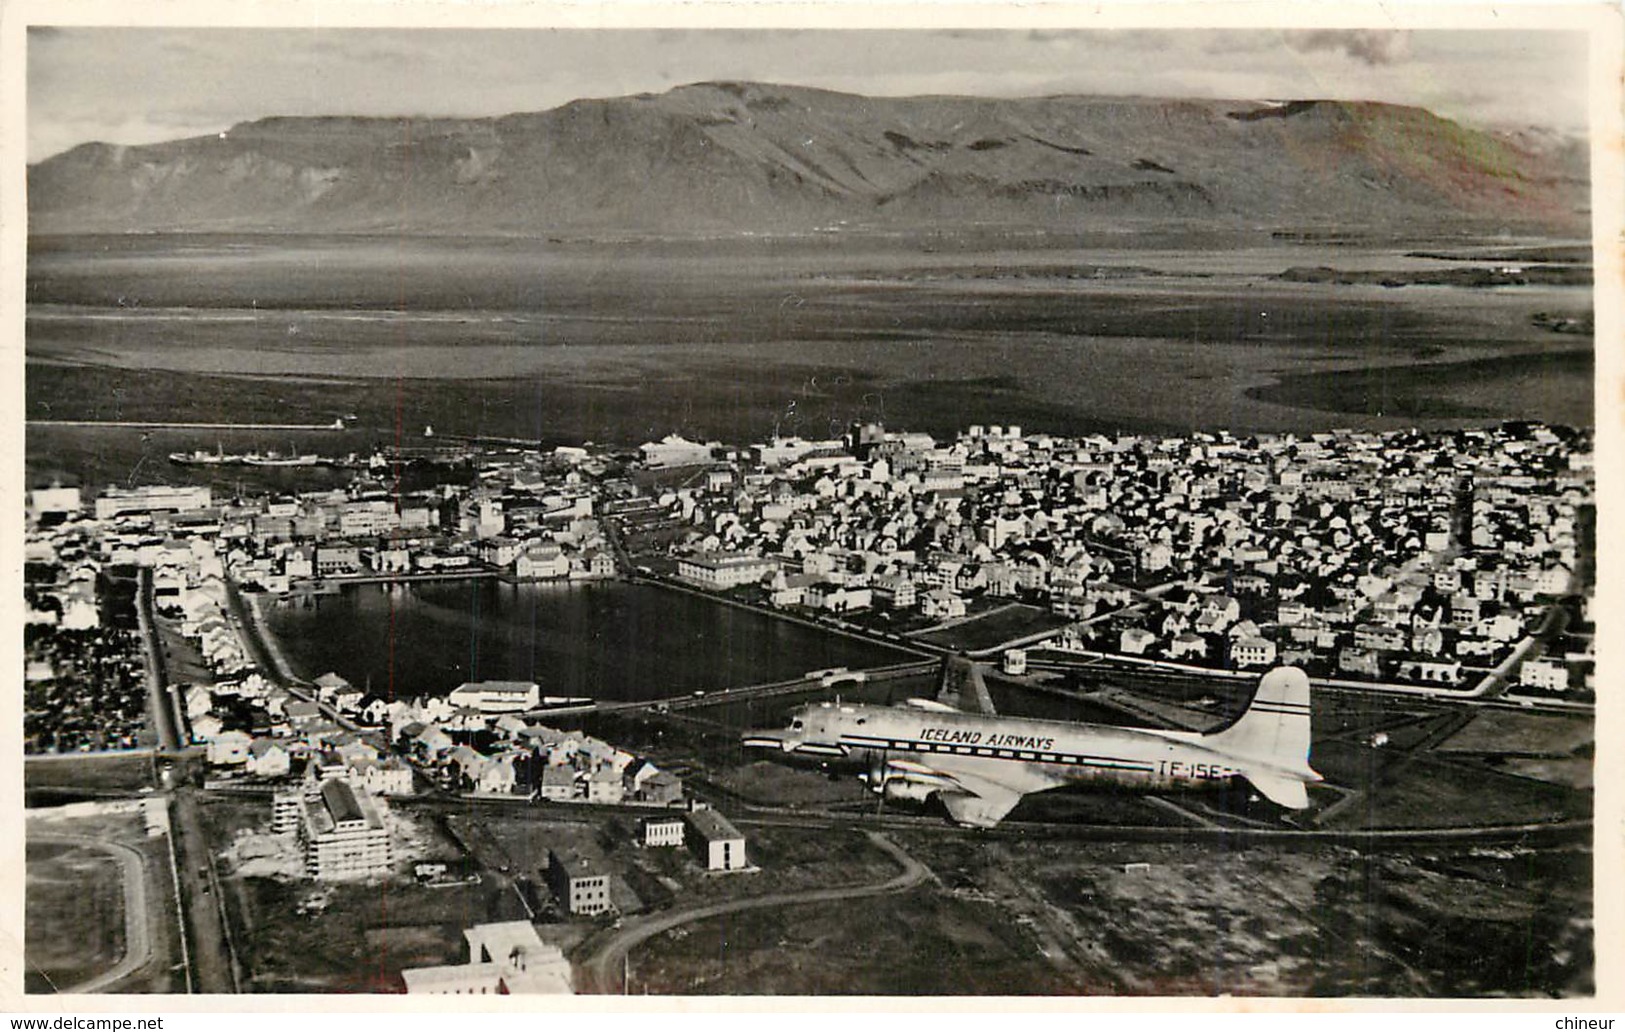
766, 158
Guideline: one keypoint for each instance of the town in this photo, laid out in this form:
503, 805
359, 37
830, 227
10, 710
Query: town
1428, 564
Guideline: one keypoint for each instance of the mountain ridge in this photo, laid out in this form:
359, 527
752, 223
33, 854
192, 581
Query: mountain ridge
768, 158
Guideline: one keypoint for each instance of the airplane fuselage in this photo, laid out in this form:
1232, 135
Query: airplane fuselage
1052, 752
980, 764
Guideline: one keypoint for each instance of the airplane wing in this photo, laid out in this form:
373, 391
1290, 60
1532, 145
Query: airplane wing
977, 792
980, 811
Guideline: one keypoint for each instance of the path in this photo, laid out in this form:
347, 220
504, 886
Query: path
600, 971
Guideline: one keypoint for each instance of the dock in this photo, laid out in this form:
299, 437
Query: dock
109, 424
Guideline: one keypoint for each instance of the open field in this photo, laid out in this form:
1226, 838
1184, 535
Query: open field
83, 872
1522, 734
74, 913
63, 778
918, 943
1006, 623
1017, 918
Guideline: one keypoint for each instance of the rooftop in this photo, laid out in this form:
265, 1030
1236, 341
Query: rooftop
341, 803
712, 826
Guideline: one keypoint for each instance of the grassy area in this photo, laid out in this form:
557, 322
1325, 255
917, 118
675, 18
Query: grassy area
1523, 734
1430, 793
767, 783
73, 915
100, 774
368, 933
83, 915
995, 628
1265, 921
918, 943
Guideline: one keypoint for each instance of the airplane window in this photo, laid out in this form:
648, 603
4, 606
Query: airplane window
863, 720
795, 725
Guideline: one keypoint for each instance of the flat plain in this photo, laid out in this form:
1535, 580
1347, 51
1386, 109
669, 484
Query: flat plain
739, 339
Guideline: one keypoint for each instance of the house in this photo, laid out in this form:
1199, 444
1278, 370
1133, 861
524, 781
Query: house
498, 777
1134, 641
661, 788
267, 758
338, 560
1246, 652
328, 684
500, 551
1187, 646
1358, 661
300, 563
1379, 637
557, 785
228, 749
348, 699
390, 777
206, 727
431, 743
1429, 641
604, 786
301, 713
720, 571
542, 562
942, 604
464, 765
1544, 674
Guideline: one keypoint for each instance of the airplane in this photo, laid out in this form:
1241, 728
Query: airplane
980, 764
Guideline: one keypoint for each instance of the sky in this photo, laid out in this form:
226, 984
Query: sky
142, 85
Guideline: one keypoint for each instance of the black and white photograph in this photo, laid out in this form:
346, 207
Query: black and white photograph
700, 507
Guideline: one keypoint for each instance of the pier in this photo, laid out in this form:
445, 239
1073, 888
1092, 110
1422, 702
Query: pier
109, 424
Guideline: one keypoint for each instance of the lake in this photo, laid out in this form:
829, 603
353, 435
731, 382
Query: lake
606, 640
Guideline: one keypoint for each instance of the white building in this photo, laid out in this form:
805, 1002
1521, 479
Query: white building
497, 696
675, 450
1252, 652
343, 832
118, 501
1549, 675
503, 958
720, 571
717, 841
662, 831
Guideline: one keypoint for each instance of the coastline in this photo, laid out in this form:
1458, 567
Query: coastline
258, 626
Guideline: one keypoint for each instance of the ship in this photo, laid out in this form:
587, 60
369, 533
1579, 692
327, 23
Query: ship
273, 459
200, 458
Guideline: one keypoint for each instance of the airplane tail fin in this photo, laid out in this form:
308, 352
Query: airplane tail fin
1274, 730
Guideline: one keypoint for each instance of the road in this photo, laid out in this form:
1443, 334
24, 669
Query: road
214, 967
137, 940
601, 971
165, 708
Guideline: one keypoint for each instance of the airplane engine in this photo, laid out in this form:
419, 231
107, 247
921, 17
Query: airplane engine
877, 775
904, 788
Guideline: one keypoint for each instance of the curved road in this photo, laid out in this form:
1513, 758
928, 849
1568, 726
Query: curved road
137, 945
600, 971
